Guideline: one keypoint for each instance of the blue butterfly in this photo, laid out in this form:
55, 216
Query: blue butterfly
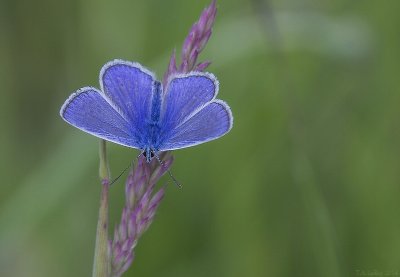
132, 109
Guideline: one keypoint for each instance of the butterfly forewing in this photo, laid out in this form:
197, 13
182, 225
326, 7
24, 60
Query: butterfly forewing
185, 95
191, 115
88, 110
129, 86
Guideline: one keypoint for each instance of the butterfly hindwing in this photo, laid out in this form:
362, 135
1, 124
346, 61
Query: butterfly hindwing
211, 122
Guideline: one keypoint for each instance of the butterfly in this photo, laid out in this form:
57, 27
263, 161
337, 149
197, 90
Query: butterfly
133, 110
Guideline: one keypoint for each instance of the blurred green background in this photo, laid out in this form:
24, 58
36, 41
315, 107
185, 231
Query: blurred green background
306, 184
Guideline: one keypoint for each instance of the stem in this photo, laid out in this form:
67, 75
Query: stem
101, 263
104, 170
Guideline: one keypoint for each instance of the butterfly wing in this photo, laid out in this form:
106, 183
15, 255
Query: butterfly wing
88, 110
129, 86
191, 115
121, 111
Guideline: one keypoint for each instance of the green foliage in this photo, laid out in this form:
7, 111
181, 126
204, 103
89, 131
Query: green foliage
306, 184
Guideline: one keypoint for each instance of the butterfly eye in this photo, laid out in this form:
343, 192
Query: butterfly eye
151, 154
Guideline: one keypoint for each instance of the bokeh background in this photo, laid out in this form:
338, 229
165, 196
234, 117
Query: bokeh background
306, 184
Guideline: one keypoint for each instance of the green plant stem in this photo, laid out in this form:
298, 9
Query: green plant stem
101, 264
104, 170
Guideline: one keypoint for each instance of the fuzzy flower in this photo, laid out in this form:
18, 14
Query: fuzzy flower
138, 213
194, 43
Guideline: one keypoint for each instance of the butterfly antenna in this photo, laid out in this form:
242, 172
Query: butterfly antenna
169, 172
116, 179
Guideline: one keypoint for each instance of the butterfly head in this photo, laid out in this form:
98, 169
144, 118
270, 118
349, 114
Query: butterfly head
148, 154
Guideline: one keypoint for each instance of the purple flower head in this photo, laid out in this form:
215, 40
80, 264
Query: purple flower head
197, 38
194, 43
138, 213
141, 200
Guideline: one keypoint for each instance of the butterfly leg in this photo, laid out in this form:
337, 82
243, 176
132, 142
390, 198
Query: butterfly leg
169, 172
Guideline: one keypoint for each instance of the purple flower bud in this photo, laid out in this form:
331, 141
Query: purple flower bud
189, 42
127, 264
171, 68
172, 63
211, 13
193, 58
122, 230
202, 66
156, 199
139, 210
203, 41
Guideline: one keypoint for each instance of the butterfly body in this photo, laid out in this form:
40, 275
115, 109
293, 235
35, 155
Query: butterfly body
132, 109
